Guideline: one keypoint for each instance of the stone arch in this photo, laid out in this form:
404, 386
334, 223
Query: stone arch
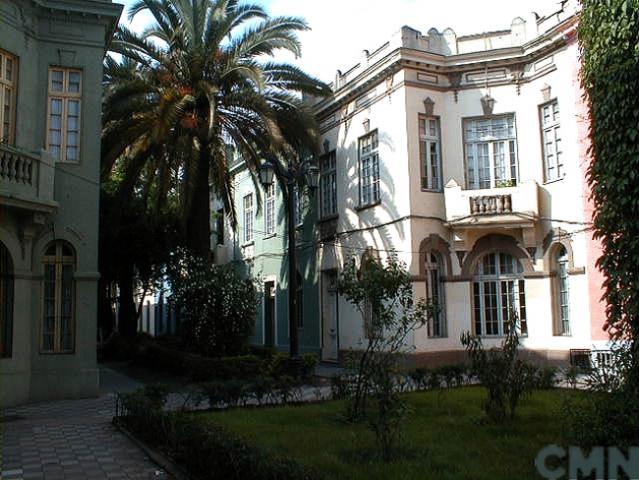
555, 239
435, 243
496, 243
46, 240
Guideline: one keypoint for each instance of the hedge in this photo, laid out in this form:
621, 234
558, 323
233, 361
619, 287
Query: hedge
205, 451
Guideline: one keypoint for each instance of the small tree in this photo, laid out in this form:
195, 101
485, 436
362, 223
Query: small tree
217, 307
384, 296
506, 377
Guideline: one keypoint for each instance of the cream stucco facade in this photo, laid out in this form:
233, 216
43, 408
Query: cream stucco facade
486, 96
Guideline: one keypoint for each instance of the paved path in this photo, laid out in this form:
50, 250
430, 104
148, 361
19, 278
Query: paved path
72, 440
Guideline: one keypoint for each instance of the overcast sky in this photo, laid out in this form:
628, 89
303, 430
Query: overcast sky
341, 29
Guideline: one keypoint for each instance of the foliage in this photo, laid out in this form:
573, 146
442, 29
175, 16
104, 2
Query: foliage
205, 451
386, 291
340, 387
217, 307
506, 377
309, 362
607, 416
545, 378
609, 36
201, 78
135, 244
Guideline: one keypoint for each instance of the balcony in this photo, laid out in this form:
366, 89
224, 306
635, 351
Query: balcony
513, 207
26, 179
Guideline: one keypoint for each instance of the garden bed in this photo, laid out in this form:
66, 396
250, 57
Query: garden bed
446, 437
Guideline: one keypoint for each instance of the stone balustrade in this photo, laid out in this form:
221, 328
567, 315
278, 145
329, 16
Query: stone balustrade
16, 166
26, 178
491, 204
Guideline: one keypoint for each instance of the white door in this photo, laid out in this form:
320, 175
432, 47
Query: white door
330, 326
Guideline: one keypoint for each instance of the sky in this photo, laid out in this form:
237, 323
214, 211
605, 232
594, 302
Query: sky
341, 29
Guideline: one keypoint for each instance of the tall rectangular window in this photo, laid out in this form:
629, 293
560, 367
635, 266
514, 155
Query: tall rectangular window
63, 123
551, 139
57, 333
369, 191
430, 153
248, 218
491, 152
269, 210
328, 185
8, 73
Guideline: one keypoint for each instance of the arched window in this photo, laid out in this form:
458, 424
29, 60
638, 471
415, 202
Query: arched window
6, 302
433, 269
498, 295
562, 292
58, 323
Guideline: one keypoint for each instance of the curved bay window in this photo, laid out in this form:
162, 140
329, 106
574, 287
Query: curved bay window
58, 324
435, 294
561, 292
6, 302
499, 295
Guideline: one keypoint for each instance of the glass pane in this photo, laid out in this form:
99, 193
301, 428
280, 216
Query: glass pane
56, 106
477, 308
74, 108
57, 80
8, 73
74, 82
72, 154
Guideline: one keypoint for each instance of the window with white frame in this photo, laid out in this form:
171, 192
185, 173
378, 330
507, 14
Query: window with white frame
369, 192
58, 325
491, 152
430, 153
269, 210
435, 294
8, 73
328, 185
499, 295
561, 297
551, 139
64, 105
248, 218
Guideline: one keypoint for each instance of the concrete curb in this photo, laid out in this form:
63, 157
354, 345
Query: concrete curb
172, 469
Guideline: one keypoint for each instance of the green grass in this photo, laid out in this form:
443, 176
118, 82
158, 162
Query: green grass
445, 437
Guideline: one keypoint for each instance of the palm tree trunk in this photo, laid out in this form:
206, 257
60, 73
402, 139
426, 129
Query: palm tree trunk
198, 228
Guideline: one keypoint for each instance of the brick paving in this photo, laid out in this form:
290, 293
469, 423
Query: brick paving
72, 440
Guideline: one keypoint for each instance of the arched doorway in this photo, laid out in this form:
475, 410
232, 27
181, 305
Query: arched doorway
6, 302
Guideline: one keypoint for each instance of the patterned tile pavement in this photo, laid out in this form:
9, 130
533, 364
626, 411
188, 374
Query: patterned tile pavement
72, 440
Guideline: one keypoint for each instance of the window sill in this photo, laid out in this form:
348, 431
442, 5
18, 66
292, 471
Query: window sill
248, 244
556, 180
269, 236
328, 218
432, 190
359, 208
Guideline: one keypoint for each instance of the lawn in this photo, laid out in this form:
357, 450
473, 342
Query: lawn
445, 437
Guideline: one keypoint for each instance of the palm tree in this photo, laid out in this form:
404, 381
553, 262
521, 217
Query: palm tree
199, 82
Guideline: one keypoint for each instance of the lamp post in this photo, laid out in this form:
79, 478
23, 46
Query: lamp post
293, 175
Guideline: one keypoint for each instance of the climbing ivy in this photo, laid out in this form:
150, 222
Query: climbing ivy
609, 37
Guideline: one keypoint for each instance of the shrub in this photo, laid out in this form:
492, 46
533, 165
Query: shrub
309, 362
384, 296
340, 387
506, 377
204, 450
546, 378
217, 307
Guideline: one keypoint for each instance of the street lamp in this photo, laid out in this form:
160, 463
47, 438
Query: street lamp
293, 175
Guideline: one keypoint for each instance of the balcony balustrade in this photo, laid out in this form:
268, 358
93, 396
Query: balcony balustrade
26, 179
